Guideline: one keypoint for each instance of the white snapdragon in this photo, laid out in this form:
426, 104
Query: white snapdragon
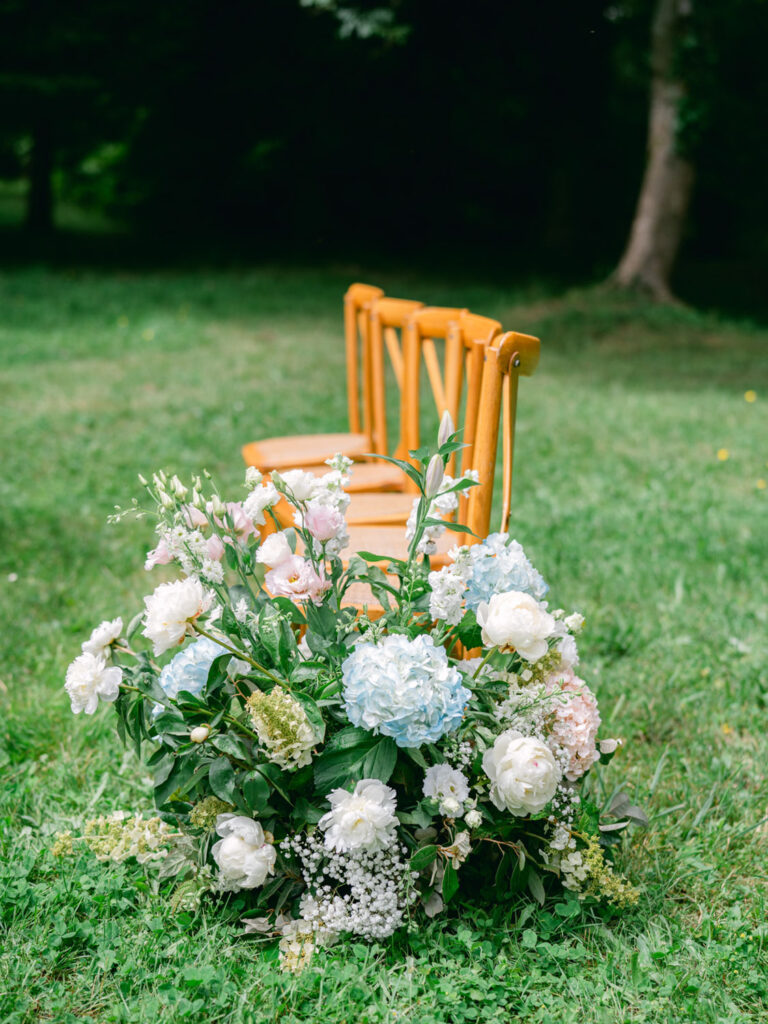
101, 639
243, 855
361, 820
448, 786
446, 599
516, 621
170, 610
523, 772
88, 679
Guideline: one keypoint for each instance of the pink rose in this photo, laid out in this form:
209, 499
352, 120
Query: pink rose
215, 547
295, 578
324, 522
159, 555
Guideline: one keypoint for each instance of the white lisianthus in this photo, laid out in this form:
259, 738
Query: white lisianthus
568, 651
274, 551
361, 820
523, 772
459, 850
516, 621
262, 496
253, 477
102, 638
447, 785
88, 678
299, 484
575, 622
473, 818
170, 609
243, 855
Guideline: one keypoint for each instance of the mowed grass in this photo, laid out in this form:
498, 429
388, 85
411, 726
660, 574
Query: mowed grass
621, 501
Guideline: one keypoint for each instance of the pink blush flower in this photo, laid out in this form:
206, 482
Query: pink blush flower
242, 525
194, 517
215, 547
295, 578
159, 555
324, 522
576, 720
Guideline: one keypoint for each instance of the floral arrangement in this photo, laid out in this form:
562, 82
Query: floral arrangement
346, 771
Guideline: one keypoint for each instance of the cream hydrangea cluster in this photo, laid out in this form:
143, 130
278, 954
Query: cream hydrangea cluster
283, 728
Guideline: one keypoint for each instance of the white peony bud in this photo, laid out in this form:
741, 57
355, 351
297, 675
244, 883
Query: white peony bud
446, 428
200, 733
435, 473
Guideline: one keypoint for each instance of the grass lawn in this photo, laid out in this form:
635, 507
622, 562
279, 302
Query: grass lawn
622, 502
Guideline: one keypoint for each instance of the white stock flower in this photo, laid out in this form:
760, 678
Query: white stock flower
361, 820
243, 855
261, 497
446, 600
447, 785
523, 772
101, 639
89, 678
516, 621
169, 610
274, 551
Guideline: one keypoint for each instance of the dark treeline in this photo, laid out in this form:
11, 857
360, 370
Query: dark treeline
497, 124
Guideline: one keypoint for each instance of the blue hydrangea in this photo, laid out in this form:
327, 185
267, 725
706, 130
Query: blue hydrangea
189, 669
406, 689
499, 565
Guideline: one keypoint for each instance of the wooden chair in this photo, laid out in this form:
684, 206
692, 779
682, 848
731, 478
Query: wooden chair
505, 359
465, 335
287, 452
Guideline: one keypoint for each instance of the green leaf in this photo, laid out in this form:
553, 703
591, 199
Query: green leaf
255, 790
380, 761
469, 632
314, 715
344, 759
347, 738
222, 779
276, 637
230, 745
406, 467
179, 772
423, 857
450, 882
536, 886
416, 756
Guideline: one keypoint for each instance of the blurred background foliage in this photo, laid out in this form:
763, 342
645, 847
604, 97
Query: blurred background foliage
487, 130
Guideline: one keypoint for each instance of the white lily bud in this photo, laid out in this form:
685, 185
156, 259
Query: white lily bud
200, 733
435, 471
252, 477
446, 428
178, 488
197, 499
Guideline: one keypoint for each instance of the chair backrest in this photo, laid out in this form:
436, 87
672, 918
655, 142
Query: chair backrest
506, 359
356, 299
386, 317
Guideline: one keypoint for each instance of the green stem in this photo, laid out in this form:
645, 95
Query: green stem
483, 663
239, 654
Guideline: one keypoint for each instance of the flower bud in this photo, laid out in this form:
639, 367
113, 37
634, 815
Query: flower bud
446, 428
252, 477
197, 499
166, 500
200, 733
473, 819
142, 480
435, 471
218, 506
178, 488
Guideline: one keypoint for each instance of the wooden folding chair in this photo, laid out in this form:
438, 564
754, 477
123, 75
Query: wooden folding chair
505, 359
287, 452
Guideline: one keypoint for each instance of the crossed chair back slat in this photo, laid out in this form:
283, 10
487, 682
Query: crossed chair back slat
385, 318
509, 357
359, 397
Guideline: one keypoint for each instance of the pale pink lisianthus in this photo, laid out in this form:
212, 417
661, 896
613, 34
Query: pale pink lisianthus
324, 522
194, 517
241, 524
160, 555
576, 720
215, 547
295, 578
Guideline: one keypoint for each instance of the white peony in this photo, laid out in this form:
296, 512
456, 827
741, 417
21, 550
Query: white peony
89, 678
447, 785
262, 496
170, 609
523, 773
243, 855
517, 622
102, 638
361, 820
274, 551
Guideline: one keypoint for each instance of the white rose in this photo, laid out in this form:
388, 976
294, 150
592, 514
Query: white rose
243, 855
88, 678
448, 785
516, 620
361, 820
523, 773
473, 818
260, 498
170, 609
274, 551
300, 484
102, 638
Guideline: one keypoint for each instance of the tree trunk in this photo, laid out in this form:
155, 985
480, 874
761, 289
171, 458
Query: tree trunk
665, 193
39, 218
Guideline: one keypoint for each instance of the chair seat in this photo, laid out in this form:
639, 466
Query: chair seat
383, 509
287, 452
390, 542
